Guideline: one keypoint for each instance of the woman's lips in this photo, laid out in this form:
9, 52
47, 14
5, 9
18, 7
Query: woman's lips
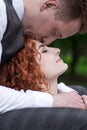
59, 60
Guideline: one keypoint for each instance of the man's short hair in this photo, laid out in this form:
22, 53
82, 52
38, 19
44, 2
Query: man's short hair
73, 9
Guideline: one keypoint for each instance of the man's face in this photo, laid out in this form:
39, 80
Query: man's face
50, 30
42, 24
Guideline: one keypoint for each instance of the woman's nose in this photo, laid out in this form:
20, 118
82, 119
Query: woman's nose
57, 51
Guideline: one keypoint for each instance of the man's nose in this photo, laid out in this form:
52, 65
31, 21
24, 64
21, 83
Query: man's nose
49, 40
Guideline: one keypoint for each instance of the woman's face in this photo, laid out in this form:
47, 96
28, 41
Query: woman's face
49, 61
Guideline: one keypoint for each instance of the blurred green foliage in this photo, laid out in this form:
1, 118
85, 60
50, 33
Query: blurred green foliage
74, 53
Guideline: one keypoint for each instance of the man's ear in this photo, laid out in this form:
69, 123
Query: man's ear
49, 4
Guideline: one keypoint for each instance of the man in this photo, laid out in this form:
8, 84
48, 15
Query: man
47, 22
52, 19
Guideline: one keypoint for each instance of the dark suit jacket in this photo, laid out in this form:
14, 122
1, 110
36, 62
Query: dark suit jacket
45, 118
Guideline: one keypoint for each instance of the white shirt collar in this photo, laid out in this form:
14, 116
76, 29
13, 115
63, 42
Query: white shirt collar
19, 8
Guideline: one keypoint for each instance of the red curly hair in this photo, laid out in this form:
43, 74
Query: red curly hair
22, 70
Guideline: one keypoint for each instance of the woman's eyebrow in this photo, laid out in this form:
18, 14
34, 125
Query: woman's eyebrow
42, 45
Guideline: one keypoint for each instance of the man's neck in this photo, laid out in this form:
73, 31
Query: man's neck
26, 15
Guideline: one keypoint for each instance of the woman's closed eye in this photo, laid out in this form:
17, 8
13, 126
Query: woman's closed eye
43, 48
44, 51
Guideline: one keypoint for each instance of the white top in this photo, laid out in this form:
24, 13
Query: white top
11, 99
64, 88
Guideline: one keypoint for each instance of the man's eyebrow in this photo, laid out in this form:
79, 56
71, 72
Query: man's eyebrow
42, 45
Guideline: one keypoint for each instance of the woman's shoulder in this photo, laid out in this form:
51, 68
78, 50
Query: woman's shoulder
64, 88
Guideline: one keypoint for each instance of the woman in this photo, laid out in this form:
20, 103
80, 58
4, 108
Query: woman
34, 67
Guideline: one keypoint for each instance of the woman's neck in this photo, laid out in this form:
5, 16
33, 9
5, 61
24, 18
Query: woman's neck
53, 88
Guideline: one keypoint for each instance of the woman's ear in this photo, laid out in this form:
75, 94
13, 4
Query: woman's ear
38, 58
49, 4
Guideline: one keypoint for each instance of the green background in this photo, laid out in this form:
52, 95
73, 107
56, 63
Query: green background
74, 53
